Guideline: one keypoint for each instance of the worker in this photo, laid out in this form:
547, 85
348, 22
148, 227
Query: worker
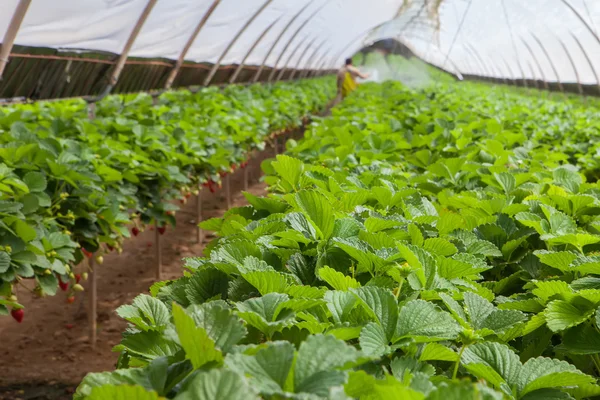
346, 79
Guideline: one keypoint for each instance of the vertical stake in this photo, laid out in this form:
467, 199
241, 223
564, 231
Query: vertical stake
246, 179
158, 252
228, 190
199, 214
91, 110
93, 302
275, 145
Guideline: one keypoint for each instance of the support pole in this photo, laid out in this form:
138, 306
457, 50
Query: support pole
175, 71
510, 71
532, 70
216, 66
537, 62
296, 33
114, 77
246, 178
228, 190
11, 33
583, 21
243, 62
158, 252
199, 235
573, 65
302, 55
93, 302
589, 60
557, 76
514, 45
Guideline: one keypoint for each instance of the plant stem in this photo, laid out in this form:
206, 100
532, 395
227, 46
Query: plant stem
596, 361
460, 353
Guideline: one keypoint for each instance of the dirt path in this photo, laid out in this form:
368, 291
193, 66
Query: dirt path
47, 355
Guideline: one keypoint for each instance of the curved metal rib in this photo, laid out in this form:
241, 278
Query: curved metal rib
258, 40
579, 87
289, 24
310, 60
537, 62
539, 42
292, 54
216, 66
11, 33
296, 33
589, 60
175, 71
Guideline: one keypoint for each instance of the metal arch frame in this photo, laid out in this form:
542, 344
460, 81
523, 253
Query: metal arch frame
532, 70
186, 48
120, 64
456, 72
285, 29
583, 21
514, 45
488, 69
539, 42
311, 59
537, 62
321, 61
301, 58
476, 56
239, 34
302, 55
238, 70
589, 60
510, 71
577, 77
296, 33
11, 33
292, 54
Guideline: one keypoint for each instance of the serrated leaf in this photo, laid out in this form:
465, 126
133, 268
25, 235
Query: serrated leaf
121, 392
337, 280
221, 325
146, 313
437, 352
422, 320
216, 384
35, 181
199, 347
561, 315
382, 305
439, 246
318, 209
545, 373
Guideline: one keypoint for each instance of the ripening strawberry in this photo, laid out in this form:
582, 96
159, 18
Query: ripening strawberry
86, 253
63, 285
71, 299
161, 229
171, 213
222, 174
77, 278
17, 314
135, 231
109, 247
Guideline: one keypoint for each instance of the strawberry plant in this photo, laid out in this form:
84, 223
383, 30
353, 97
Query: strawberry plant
417, 244
71, 187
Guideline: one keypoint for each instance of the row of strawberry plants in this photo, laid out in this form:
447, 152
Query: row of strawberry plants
71, 187
414, 246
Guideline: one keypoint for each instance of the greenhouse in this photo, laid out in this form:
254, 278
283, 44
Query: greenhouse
300, 199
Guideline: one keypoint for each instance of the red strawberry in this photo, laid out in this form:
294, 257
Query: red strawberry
151, 228
86, 253
77, 278
17, 314
109, 247
206, 184
135, 231
69, 326
171, 213
211, 186
188, 195
149, 244
161, 229
63, 285
222, 174
71, 299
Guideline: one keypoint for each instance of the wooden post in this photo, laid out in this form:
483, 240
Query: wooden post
216, 66
93, 301
199, 215
228, 190
158, 252
246, 177
188, 45
11, 33
275, 145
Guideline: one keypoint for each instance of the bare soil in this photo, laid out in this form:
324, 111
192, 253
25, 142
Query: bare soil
47, 355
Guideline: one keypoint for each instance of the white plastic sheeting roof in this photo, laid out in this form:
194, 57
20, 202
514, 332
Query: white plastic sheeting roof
499, 38
104, 25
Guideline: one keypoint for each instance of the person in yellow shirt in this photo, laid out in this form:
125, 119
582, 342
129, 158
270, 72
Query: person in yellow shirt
346, 79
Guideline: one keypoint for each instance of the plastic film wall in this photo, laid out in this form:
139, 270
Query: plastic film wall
545, 40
